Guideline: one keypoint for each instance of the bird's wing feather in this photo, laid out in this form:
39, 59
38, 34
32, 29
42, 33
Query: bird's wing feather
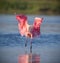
37, 22
22, 22
36, 26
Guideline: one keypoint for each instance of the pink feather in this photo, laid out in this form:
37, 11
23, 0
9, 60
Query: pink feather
29, 30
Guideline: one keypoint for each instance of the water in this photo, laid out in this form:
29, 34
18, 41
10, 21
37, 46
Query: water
12, 44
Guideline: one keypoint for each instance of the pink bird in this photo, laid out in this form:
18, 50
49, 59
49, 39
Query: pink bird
27, 30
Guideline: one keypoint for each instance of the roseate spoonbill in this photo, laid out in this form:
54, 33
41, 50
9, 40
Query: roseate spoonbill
27, 30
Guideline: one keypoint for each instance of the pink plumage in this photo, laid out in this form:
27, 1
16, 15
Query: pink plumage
29, 30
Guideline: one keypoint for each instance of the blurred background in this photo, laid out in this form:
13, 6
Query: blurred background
50, 7
46, 46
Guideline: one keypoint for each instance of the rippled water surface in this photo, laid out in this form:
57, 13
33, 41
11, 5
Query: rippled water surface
12, 44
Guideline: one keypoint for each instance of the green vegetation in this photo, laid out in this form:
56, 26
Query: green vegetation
30, 6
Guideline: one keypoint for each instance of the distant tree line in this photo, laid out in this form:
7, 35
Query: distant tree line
30, 6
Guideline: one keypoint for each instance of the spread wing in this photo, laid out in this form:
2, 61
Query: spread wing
37, 22
36, 26
21, 18
22, 21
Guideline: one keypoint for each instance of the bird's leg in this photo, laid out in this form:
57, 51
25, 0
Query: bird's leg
26, 43
31, 46
25, 46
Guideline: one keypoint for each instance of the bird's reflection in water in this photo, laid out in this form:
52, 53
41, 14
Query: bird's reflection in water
29, 58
